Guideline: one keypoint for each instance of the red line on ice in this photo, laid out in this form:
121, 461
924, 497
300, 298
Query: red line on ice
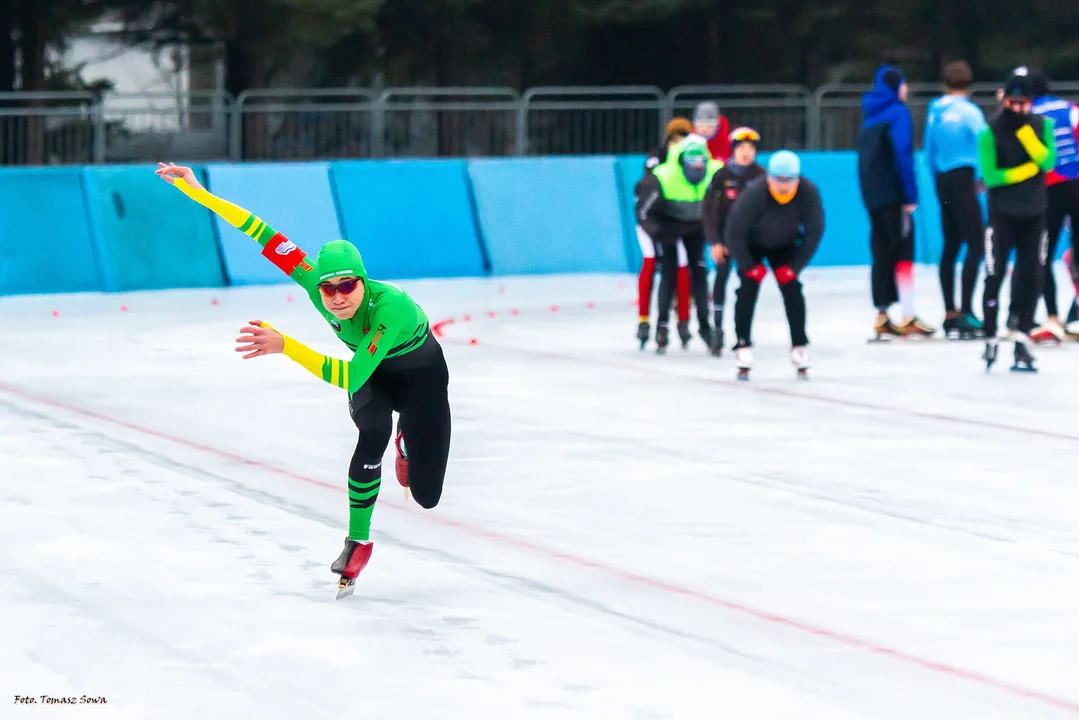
632, 577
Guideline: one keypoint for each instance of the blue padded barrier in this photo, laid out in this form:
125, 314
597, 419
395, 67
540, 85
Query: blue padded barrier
45, 243
410, 218
550, 215
295, 199
630, 169
149, 236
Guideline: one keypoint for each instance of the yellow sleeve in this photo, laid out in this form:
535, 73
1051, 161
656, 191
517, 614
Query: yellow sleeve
329, 369
1038, 153
234, 215
276, 248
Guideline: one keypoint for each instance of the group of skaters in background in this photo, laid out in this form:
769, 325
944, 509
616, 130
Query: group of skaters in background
704, 187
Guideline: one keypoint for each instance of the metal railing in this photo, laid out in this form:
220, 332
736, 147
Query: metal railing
48, 128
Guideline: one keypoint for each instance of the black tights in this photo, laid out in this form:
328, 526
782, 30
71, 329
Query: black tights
417, 388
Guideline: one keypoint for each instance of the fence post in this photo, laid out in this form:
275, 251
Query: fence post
521, 144
378, 125
100, 130
813, 121
236, 136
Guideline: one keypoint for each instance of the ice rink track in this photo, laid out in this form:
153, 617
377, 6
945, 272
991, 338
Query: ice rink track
621, 535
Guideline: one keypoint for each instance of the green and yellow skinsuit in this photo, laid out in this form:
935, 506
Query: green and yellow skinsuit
388, 323
1011, 156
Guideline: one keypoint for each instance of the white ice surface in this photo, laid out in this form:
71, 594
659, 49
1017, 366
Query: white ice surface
621, 535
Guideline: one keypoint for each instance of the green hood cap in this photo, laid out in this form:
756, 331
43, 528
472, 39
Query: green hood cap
339, 258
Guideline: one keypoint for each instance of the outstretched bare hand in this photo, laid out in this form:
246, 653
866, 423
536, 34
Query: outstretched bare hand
256, 340
170, 172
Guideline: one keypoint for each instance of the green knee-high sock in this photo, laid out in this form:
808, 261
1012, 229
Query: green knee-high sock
361, 503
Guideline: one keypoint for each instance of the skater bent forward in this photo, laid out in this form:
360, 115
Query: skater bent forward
781, 220
397, 365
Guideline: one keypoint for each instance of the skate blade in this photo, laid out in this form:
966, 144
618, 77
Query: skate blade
743, 375
803, 373
345, 588
1023, 369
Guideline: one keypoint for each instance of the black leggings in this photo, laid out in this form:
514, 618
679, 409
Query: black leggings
891, 241
698, 276
719, 290
1063, 203
793, 300
961, 221
417, 388
1027, 236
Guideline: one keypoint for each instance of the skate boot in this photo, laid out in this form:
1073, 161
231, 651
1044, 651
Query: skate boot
684, 334
1013, 322
913, 327
884, 328
970, 327
716, 346
743, 359
352, 560
990, 355
800, 360
950, 326
1024, 361
1050, 331
643, 329
401, 462
662, 339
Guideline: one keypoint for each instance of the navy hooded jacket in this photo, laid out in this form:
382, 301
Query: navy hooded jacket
886, 146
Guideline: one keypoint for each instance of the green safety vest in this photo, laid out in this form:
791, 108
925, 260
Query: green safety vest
683, 199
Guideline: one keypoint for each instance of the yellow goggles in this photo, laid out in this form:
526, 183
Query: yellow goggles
744, 134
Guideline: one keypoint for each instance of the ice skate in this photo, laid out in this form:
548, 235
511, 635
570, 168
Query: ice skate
913, 327
662, 339
684, 335
1024, 361
963, 326
716, 346
743, 360
992, 347
1051, 331
401, 462
885, 330
352, 560
643, 330
800, 360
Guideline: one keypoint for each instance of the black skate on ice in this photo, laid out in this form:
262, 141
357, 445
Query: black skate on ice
1024, 361
662, 340
643, 330
716, 346
990, 354
684, 335
349, 563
